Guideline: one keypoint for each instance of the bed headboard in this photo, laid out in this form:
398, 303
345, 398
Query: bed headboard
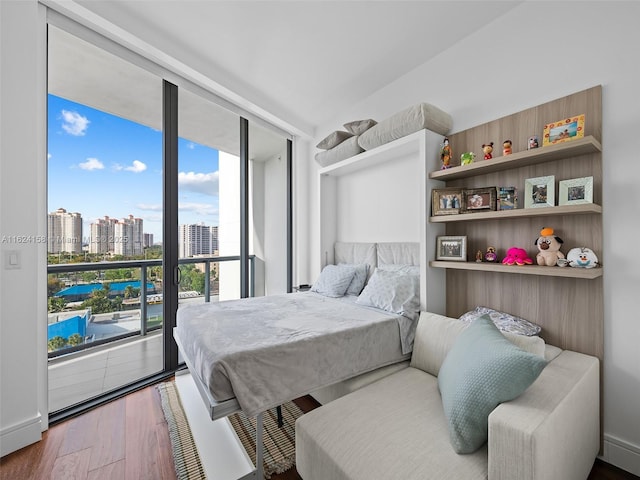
374, 254
398, 253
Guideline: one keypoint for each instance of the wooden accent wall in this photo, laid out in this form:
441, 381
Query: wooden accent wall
569, 310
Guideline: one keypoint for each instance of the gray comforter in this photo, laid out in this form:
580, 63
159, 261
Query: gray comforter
267, 350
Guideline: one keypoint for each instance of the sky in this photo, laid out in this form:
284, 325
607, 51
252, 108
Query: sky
100, 164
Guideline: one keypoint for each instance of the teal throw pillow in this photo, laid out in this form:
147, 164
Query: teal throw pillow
482, 370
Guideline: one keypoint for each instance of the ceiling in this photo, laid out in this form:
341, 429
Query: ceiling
302, 61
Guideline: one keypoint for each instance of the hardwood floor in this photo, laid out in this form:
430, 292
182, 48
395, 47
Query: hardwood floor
128, 439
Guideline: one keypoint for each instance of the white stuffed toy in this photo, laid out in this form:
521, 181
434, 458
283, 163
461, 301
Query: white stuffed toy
582, 257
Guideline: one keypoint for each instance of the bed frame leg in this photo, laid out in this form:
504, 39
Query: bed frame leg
279, 416
259, 449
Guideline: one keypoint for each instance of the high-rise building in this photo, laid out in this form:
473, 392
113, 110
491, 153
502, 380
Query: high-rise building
64, 232
197, 239
102, 235
120, 237
147, 240
128, 237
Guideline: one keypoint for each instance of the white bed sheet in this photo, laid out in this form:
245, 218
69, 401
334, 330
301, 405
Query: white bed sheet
267, 350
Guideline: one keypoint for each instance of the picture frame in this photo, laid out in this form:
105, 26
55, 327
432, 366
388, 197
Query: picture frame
575, 191
564, 130
539, 192
478, 199
451, 248
507, 198
446, 201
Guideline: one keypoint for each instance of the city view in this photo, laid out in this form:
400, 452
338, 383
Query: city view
105, 205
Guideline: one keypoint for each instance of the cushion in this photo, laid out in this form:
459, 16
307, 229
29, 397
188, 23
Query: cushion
436, 334
358, 127
359, 278
333, 139
405, 123
344, 150
401, 268
482, 370
334, 280
504, 321
392, 292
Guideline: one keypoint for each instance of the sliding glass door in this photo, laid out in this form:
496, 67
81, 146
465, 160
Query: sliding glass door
105, 221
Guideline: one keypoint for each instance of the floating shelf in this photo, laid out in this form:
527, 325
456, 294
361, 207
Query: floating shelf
568, 272
558, 151
580, 209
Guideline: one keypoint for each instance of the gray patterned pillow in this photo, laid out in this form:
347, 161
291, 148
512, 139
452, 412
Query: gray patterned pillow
504, 321
334, 280
359, 278
392, 292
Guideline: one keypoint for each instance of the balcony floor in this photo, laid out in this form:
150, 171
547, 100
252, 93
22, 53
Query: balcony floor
94, 372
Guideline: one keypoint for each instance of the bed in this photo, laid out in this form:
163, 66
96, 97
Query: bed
256, 353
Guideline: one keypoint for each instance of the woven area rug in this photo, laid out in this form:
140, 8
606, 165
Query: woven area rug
279, 443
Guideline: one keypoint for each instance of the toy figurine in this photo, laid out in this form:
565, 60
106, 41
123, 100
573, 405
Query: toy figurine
491, 256
533, 142
445, 154
467, 158
479, 256
517, 256
582, 257
487, 148
506, 147
548, 248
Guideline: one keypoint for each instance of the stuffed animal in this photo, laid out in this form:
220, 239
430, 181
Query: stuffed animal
517, 256
467, 158
582, 257
506, 147
487, 148
548, 248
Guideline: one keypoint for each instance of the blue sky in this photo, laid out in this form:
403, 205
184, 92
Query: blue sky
100, 164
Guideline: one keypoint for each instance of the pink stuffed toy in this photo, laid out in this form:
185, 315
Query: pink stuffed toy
517, 256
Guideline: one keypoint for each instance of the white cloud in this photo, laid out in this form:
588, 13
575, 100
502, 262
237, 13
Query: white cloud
153, 207
136, 167
206, 183
198, 208
74, 123
91, 164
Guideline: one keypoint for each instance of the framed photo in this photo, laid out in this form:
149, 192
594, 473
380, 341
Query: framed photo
478, 199
446, 201
452, 248
507, 198
575, 191
563, 130
539, 192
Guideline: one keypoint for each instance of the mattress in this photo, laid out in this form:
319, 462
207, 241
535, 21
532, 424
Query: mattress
267, 350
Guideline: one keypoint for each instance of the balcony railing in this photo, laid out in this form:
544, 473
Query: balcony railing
144, 297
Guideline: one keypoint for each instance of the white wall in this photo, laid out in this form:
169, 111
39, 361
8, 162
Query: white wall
538, 52
229, 224
23, 310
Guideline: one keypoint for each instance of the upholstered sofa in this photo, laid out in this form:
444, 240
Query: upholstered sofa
396, 427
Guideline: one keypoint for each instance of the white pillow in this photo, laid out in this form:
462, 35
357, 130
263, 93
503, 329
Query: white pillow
359, 278
400, 268
504, 321
334, 280
392, 292
333, 139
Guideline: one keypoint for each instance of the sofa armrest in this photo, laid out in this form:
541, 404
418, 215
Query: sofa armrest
552, 431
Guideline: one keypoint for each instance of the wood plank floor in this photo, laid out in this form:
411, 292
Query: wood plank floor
128, 439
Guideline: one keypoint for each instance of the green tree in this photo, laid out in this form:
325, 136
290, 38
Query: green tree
74, 339
54, 285
56, 343
56, 304
128, 291
99, 301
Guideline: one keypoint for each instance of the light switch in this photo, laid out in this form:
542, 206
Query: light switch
12, 260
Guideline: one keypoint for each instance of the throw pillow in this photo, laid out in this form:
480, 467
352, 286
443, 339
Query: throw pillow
333, 139
393, 292
504, 321
334, 280
358, 127
482, 370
